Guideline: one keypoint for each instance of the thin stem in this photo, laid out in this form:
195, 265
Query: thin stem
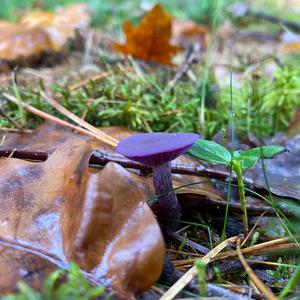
231, 124
239, 172
169, 207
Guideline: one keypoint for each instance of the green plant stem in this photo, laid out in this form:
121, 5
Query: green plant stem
239, 172
201, 268
291, 285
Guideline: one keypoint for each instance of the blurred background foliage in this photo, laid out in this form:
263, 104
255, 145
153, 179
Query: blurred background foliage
114, 12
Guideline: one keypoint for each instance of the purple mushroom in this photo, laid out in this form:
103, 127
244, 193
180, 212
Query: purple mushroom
157, 150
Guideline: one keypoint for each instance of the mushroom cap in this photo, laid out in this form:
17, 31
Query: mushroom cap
156, 148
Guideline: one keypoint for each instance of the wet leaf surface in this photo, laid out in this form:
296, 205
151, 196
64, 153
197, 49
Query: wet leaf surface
60, 211
18, 263
150, 40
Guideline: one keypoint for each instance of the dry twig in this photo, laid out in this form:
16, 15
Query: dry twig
189, 275
192, 58
258, 283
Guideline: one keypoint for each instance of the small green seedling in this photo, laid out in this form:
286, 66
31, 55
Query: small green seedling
201, 268
239, 161
60, 285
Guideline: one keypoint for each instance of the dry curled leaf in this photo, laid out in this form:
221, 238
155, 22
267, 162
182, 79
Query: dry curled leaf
150, 41
59, 211
41, 31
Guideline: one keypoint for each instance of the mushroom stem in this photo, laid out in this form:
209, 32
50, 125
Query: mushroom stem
169, 207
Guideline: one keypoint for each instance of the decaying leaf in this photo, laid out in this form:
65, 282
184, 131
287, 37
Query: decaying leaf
19, 263
41, 31
59, 211
61, 25
17, 42
187, 32
282, 171
150, 41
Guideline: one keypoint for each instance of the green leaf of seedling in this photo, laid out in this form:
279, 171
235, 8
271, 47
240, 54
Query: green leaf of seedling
264, 151
51, 282
250, 157
246, 161
210, 151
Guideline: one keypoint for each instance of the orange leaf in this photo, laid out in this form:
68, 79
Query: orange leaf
150, 41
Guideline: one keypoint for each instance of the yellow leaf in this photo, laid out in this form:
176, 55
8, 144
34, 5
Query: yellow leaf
291, 47
41, 31
61, 25
17, 42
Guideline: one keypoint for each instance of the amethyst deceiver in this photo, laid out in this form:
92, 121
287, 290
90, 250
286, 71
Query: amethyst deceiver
157, 150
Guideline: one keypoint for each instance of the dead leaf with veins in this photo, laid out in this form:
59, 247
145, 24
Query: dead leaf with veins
58, 211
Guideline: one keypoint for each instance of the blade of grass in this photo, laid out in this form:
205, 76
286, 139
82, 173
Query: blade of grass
292, 283
77, 120
57, 120
207, 66
232, 125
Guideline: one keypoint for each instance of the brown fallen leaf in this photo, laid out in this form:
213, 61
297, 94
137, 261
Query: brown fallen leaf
18, 42
18, 263
187, 32
61, 25
61, 211
41, 31
150, 41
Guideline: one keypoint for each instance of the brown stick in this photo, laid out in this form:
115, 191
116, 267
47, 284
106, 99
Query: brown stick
192, 58
101, 159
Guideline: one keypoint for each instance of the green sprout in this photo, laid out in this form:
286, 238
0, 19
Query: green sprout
239, 161
201, 268
60, 285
